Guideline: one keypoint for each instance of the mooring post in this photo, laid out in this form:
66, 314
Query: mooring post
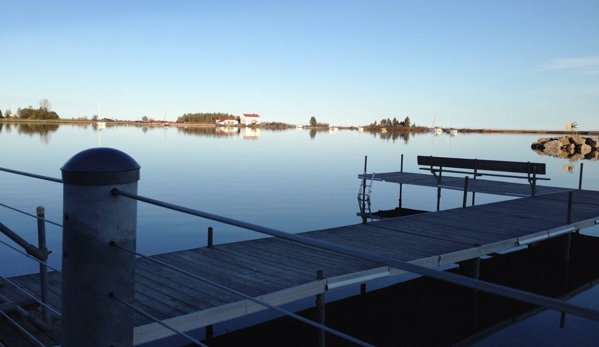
92, 271
210, 237
400, 185
320, 307
41, 239
465, 192
580, 177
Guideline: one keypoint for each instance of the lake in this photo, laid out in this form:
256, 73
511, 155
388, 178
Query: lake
292, 180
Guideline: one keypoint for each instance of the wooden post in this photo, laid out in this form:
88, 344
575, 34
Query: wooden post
400, 185
465, 192
92, 271
41, 237
580, 177
438, 198
210, 237
209, 332
320, 307
569, 218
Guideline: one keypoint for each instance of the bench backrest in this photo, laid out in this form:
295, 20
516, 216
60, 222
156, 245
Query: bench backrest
482, 164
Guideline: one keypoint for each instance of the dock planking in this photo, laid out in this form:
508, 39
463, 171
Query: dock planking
281, 271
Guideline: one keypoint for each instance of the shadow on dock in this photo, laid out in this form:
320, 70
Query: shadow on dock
427, 312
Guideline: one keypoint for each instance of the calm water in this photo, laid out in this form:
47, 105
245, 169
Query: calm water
293, 180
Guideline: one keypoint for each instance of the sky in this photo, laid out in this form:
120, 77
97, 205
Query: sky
468, 64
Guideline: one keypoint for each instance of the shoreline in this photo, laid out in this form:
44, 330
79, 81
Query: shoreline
366, 129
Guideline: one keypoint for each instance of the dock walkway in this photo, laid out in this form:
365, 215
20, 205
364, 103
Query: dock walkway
280, 271
485, 186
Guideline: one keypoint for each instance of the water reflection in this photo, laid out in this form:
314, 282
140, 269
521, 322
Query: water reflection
392, 135
248, 133
44, 130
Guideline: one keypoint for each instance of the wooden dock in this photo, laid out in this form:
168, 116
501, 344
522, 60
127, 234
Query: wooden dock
478, 185
280, 271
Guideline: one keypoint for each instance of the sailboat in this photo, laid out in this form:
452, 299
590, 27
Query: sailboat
99, 124
164, 122
437, 130
451, 131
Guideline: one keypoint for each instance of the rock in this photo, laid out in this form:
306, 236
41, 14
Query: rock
573, 147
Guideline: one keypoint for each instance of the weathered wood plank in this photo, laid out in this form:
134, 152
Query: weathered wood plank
177, 283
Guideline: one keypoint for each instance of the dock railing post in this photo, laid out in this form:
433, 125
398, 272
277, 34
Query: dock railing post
465, 192
400, 185
210, 237
41, 238
92, 271
580, 177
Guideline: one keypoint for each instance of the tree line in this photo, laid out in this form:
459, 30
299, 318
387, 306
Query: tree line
43, 112
393, 123
205, 118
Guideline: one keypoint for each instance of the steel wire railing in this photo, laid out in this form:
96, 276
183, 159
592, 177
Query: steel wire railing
28, 336
32, 296
156, 320
31, 215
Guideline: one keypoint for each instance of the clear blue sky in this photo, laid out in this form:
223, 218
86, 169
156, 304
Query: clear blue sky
493, 64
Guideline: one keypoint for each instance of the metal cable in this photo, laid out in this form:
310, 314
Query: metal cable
32, 296
29, 256
488, 287
147, 315
250, 298
29, 337
31, 215
22, 173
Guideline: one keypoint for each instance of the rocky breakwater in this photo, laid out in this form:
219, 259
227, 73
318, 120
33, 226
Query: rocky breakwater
573, 147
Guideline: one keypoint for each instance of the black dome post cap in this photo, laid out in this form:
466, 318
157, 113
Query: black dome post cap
100, 166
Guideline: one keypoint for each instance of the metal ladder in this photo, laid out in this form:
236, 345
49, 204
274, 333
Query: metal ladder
364, 196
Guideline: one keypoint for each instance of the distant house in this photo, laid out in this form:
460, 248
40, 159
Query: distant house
228, 120
250, 119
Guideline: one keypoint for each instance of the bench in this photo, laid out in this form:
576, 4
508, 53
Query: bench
481, 167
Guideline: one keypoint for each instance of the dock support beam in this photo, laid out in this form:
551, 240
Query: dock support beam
93, 273
320, 307
567, 247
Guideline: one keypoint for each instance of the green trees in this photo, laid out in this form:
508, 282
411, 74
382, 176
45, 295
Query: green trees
43, 112
206, 118
404, 125
314, 123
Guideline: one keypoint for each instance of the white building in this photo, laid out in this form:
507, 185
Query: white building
227, 121
250, 119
